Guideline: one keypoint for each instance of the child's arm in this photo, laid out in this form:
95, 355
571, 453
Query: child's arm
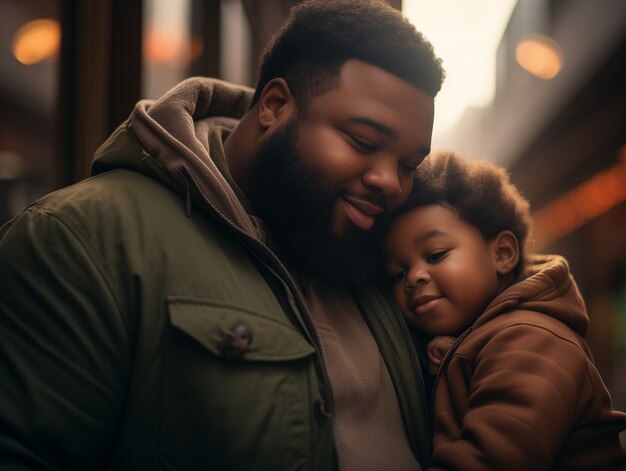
527, 389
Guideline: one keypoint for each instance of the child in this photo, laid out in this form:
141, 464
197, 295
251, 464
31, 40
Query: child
517, 390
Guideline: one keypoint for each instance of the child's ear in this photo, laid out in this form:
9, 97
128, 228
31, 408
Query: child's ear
506, 251
275, 104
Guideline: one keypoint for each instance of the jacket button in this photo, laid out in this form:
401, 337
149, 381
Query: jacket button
236, 342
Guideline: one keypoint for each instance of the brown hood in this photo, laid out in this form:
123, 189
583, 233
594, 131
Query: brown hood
177, 133
547, 287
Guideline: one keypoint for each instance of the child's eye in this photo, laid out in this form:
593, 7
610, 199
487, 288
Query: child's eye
437, 256
396, 277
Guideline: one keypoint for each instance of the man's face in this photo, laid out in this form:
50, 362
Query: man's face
323, 181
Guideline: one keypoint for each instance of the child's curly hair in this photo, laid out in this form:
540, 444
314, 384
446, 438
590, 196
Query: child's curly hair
478, 191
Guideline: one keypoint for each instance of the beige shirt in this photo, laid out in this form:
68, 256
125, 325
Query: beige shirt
367, 420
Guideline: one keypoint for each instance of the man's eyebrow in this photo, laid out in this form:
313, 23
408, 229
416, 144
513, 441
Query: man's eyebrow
381, 128
386, 131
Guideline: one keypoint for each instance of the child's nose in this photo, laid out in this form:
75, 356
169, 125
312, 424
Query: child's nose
417, 277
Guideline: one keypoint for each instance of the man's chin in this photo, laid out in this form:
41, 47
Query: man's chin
348, 259
350, 235
338, 271
303, 216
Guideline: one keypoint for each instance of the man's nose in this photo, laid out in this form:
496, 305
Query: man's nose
382, 175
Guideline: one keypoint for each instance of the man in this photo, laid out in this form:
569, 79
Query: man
201, 302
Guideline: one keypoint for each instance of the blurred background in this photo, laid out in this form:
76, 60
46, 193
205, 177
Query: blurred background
539, 86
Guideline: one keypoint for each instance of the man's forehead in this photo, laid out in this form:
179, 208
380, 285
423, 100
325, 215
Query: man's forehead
369, 96
363, 81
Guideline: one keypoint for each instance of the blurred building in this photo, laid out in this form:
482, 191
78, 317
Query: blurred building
560, 127
71, 71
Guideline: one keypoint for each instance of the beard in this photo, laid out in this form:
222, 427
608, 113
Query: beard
298, 209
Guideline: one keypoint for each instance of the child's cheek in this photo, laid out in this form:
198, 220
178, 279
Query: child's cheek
399, 296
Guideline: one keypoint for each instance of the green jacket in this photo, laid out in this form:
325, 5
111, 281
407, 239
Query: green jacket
127, 304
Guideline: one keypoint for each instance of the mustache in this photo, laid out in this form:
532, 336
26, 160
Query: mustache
372, 198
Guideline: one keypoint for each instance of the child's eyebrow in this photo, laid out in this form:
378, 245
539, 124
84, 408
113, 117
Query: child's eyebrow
429, 235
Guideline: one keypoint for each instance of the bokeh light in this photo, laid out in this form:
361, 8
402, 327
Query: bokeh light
36, 41
540, 55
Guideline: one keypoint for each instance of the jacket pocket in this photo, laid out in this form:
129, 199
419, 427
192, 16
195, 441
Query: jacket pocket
236, 390
233, 332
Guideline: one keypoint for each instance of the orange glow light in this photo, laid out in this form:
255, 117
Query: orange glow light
540, 55
162, 46
37, 40
587, 201
196, 48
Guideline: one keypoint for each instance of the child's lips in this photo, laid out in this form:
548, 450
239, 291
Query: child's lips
424, 303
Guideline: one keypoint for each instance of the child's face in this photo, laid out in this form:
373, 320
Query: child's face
443, 272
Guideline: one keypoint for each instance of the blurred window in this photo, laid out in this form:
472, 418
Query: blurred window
184, 38
29, 70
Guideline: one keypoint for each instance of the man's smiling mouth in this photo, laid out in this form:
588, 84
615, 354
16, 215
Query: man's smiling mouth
361, 212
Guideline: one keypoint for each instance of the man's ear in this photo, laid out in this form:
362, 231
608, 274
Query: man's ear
506, 251
275, 104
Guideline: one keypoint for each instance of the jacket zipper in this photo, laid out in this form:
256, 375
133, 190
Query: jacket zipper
393, 371
307, 318
445, 360
415, 358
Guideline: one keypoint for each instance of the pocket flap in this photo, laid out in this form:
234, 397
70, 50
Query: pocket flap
212, 324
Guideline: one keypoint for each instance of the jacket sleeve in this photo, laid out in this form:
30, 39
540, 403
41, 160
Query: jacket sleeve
63, 348
524, 394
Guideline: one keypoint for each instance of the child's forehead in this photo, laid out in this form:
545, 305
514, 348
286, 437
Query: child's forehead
423, 216
424, 223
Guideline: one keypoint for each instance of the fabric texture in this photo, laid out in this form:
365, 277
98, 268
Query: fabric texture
144, 324
519, 389
367, 420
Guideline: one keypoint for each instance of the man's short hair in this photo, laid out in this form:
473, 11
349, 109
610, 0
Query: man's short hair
478, 191
319, 36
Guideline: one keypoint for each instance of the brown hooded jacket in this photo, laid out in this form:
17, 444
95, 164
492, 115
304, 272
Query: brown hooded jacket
519, 389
